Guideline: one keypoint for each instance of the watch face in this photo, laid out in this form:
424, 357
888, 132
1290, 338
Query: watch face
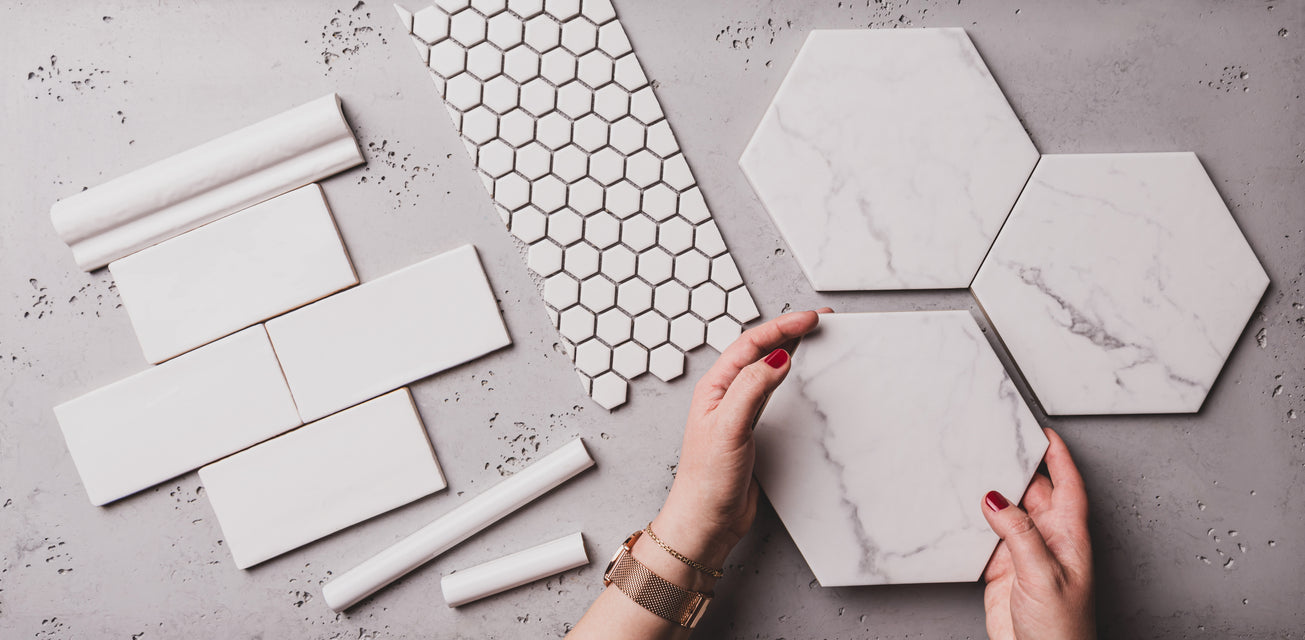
607, 580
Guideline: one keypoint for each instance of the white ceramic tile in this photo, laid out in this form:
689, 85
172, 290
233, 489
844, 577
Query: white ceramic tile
688, 332
229, 274
651, 329
1120, 283
321, 478
580, 160
514, 570
593, 357
178, 416
888, 159
630, 360
897, 498
666, 362
383, 334
723, 331
206, 183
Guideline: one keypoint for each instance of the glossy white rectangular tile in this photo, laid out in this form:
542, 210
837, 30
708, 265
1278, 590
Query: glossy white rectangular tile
572, 145
380, 335
226, 275
207, 182
321, 478
178, 416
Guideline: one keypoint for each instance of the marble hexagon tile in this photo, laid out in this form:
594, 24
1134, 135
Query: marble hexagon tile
879, 447
1120, 283
888, 159
582, 165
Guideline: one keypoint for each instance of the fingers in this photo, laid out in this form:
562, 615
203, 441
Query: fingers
1065, 476
1038, 495
743, 401
1028, 550
754, 344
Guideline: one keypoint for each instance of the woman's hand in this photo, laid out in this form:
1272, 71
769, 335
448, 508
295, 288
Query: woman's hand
714, 497
1040, 577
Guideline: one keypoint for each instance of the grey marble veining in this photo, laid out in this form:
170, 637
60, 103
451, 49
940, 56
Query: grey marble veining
879, 447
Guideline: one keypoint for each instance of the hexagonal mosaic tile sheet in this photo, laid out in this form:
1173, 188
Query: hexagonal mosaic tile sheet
1120, 283
583, 167
888, 159
880, 445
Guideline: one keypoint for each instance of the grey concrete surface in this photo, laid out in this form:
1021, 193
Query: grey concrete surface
1198, 520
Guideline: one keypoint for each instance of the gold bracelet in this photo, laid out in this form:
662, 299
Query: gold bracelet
715, 573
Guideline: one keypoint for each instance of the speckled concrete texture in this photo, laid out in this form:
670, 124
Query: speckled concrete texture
1197, 520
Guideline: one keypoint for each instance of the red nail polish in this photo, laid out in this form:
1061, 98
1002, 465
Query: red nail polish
995, 501
777, 358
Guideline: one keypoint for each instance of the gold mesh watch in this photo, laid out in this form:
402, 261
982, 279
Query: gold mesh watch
651, 591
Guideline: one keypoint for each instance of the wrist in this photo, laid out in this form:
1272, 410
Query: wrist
692, 537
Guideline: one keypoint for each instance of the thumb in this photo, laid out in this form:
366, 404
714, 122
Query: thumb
1028, 550
749, 391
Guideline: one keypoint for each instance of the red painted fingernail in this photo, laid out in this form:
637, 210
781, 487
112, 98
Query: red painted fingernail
777, 358
995, 501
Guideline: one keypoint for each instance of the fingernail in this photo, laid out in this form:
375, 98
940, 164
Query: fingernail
777, 358
995, 501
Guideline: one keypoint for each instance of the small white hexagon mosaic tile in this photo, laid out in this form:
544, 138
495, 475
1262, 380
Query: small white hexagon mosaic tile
572, 144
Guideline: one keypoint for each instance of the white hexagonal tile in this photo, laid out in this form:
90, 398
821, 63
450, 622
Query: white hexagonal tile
516, 127
479, 125
577, 324
565, 227
639, 233
723, 331
554, 131
612, 103
927, 155
548, 193
676, 235
511, 191
602, 230
538, 97
570, 163
594, 68
489, 7
590, 133
544, 258
618, 263
607, 166
598, 11
592, 357
656, 266
609, 390
629, 73
521, 64
688, 332
1120, 283
651, 329
543, 34
562, 9
643, 168
501, 94
634, 296
614, 326
661, 140
693, 207
671, 298
526, 8
660, 201
467, 27
581, 259
579, 36
533, 162
630, 360
596, 293
627, 134
613, 40
505, 31
430, 24
707, 239
707, 300
725, 273
585, 195
484, 61
675, 172
529, 224
666, 362
574, 99
622, 200
461, 91
561, 290
558, 66
496, 158
452, 6
644, 105
741, 306
853, 488
692, 268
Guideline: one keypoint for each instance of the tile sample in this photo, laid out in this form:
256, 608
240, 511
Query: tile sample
383, 334
1120, 283
584, 169
178, 416
888, 159
464, 521
208, 182
877, 450
226, 275
321, 478
514, 570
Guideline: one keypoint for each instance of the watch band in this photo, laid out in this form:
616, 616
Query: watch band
651, 591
